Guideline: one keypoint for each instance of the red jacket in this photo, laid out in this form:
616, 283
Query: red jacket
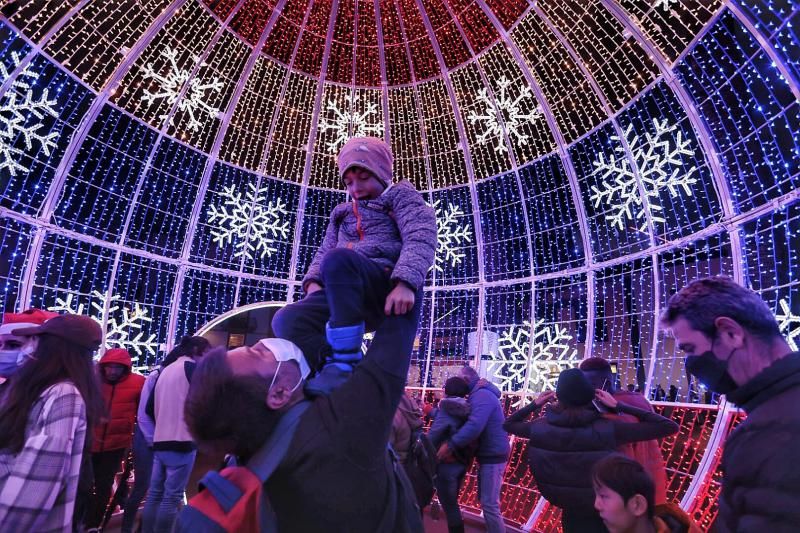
121, 399
648, 452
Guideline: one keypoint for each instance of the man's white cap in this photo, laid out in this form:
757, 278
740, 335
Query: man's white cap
284, 350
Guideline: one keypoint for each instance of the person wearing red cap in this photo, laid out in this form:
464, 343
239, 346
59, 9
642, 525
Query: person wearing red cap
13, 347
50, 406
121, 390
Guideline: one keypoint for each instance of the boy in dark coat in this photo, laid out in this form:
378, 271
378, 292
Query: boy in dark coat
373, 261
451, 414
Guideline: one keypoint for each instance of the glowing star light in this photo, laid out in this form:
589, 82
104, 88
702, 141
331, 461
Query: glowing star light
543, 362
658, 160
123, 328
452, 236
170, 86
512, 111
340, 122
21, 117
244, 217
789, 324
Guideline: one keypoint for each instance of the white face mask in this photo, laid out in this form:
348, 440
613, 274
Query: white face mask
284, 351
27, 350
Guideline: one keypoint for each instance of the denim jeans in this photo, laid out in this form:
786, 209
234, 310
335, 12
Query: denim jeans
448, 483
142, 468
168, 480
490, 479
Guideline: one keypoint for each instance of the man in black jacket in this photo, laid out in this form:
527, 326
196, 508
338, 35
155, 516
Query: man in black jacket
734, 346
334, 477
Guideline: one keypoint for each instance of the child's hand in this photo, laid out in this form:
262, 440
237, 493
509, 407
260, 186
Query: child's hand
400, 301
312, 287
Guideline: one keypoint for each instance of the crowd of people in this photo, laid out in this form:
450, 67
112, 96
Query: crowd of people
318, 436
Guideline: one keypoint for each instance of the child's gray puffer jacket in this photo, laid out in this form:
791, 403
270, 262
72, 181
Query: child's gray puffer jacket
397, 230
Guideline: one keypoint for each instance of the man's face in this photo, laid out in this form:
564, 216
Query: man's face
689, 340
252, 360
463, 374
362, 184
113, 371
617, 516
600, 379
11, 342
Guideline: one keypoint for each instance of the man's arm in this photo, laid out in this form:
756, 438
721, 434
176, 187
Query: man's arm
482, 407
650, 426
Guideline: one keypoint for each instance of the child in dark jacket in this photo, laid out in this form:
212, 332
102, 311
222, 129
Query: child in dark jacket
373, 261
451, 414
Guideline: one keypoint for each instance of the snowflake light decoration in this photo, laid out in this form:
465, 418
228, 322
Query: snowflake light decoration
169, 89
123, 327
21, 115
342, 120
550, 354
244, 217
451, 236
658, 159
789, 324
512, 111
666, 5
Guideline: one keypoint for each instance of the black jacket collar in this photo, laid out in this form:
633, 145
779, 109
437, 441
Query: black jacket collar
781, 375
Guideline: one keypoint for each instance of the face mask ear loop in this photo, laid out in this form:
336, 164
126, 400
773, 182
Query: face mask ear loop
275, 375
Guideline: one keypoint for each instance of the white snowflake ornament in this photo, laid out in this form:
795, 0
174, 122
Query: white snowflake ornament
244, 217
451, 236
343, 121
21, 115
658, 159
170, 86
512, 111
789, 324
542, 363
123, 327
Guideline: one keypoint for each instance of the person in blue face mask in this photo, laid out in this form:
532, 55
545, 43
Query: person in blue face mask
13, 348
734, 346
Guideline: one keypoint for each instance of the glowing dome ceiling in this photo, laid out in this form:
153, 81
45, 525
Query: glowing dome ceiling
165, 162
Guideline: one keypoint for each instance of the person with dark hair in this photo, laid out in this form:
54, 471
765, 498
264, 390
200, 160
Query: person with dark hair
145, 428
625, 500
733, 345
485, 424
173, 448
571, 436
47, 414
335, 476
121, 390
648, 452
373, 261
451, 414
672, 396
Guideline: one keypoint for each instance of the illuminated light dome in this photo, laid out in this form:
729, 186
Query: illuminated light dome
163, 163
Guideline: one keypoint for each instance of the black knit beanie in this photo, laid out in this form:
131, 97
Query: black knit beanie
456, 386
573, 388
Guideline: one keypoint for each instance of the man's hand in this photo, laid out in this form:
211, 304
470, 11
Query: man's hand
312, 287
444, 454
400, 301
605, 398
544, 398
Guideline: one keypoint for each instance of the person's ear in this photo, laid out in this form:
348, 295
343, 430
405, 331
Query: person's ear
637, 505
278, 396
729, 332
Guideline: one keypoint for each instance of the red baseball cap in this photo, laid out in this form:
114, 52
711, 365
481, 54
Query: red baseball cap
28, 318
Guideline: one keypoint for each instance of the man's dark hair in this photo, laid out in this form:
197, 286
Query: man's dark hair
703, 301
456, 386
224, 408
595, 364
627, 478
471, 372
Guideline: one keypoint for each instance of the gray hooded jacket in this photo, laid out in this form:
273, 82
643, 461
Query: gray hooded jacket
397, 230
